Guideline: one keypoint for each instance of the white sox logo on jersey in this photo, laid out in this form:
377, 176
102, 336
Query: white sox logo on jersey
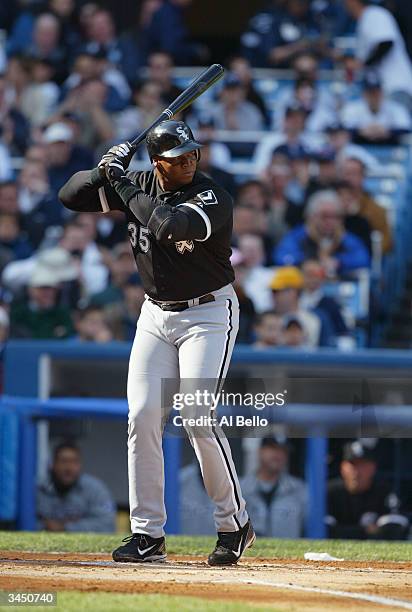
207, 197
184, 245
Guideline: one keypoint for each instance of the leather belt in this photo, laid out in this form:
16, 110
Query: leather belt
179, 306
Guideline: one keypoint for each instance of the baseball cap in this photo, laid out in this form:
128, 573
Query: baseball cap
59, 262
58, 132
295, 107
371, 80
44, 277
325, 154
232, 80
93, 49
291, 320
293, 152
356, 450
288, 277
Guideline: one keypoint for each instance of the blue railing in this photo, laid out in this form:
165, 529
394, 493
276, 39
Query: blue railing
20, 410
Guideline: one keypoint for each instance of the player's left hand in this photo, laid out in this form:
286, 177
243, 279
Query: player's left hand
114, 170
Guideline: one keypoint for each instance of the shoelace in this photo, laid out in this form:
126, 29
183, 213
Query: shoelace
229, 540
131, 537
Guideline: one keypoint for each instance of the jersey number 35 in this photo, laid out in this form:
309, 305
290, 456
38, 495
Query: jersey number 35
139, 235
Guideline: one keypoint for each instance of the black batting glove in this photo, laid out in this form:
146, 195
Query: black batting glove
114, 170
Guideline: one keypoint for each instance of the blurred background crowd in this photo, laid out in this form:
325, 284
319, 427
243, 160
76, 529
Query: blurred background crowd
309, 132
301, 149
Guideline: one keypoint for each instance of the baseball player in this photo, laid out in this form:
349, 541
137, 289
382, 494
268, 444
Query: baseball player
180, 226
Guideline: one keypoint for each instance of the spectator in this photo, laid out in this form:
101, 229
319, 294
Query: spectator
233, 111
166, 31
121, 265
11, 237
257, 277
8, 197
64, 10
220, 154
246, 308
15, 129
78, 241
91, 325
64, 157
55, 263
222, 177
147, 106
360, 507
122, 316
268, 329
283, 213
40, 316
320, 103
88, 103
286, 286
70, 500
293, 333
375, 118
379, 44
101, 35
240, 67
40, 97
323, 237
354, 222
353, 171
46, 44
160, 71
253, 193
313, 297
196, 509
36, 202
276, 500
248, 220
91, 64
325, 175
276, 35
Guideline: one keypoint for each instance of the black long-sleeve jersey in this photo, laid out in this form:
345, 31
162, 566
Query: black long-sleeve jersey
180, 239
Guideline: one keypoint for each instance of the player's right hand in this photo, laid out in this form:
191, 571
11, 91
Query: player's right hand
114, 170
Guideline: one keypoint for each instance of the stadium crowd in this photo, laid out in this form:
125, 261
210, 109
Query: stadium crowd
71, 85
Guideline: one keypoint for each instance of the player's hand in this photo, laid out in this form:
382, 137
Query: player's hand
114, 170
124, 152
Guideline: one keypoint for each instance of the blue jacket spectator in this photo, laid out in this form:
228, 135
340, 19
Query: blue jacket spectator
275, 36
167, 32
65, 158
323, 237
11, 239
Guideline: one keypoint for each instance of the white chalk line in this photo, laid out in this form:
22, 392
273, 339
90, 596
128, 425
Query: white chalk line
384, 601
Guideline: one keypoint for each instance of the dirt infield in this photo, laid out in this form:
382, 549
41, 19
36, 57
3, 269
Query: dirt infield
287, 584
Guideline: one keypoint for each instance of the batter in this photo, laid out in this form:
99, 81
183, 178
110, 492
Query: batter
180, 227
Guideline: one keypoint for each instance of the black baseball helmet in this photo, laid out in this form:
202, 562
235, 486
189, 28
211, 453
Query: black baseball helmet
171, 139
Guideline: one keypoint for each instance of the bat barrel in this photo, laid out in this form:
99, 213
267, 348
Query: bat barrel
205, 80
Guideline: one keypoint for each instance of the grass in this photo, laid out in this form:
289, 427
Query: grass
264, 547
72, 601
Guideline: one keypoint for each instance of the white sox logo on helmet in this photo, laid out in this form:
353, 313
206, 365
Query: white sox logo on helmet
183, 132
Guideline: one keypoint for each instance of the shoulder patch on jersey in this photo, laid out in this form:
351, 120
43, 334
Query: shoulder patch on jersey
207, 197
184, 245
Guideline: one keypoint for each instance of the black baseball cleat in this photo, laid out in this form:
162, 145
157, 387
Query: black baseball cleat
231, 544
141, 548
